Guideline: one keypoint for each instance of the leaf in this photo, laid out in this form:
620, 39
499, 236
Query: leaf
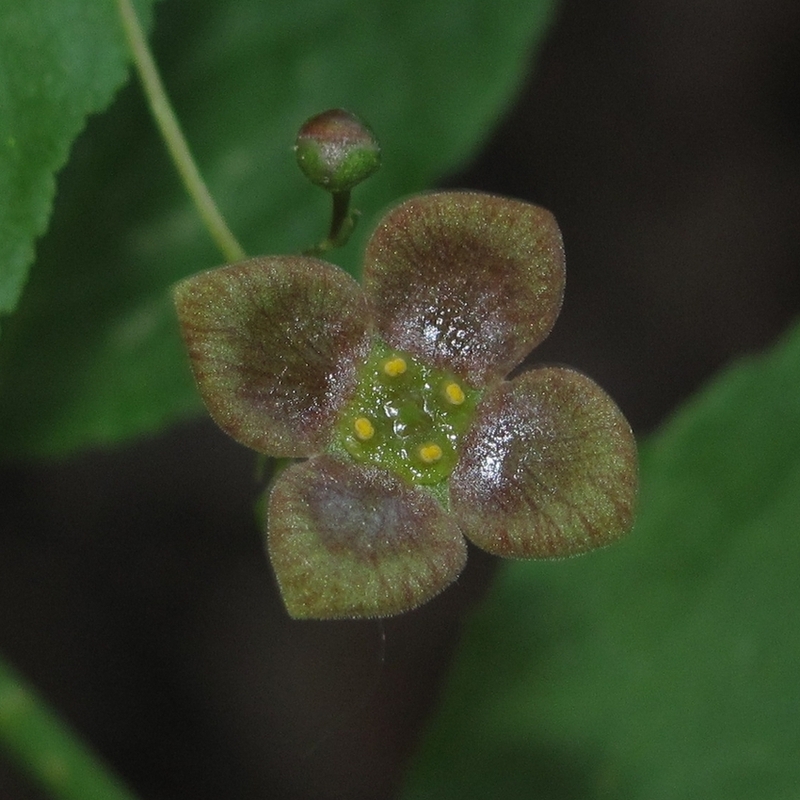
663, 667
60, 60
93, 354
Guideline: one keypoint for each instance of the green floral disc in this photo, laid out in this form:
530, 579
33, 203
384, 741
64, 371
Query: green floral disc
406, 417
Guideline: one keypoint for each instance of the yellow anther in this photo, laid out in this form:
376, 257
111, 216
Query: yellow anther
395, 366
364, 429
430, 453
454, 394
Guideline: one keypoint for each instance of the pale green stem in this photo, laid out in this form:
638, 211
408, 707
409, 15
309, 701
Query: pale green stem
182, 157
173, 136
46, 748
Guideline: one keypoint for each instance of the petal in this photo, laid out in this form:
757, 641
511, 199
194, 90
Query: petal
348, 540
274, 345
466, 281
548, 469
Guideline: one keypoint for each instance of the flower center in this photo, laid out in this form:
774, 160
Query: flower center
406, 417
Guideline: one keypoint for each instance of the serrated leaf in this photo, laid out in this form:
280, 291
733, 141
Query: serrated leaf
666, 666
60, 60
93, 354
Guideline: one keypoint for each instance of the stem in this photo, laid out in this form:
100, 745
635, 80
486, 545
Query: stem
48, 750
342, 223
173, 136
339, 218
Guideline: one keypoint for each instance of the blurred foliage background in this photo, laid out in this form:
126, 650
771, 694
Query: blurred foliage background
133, 588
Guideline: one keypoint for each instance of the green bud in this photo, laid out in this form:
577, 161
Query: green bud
336, 150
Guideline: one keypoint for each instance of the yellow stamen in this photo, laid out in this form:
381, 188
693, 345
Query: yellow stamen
364, 429
430, 453
454, 394
395, 366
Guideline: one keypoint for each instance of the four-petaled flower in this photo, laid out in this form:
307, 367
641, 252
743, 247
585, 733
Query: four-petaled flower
396, 397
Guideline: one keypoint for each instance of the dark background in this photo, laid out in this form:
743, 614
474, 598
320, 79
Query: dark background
134, 593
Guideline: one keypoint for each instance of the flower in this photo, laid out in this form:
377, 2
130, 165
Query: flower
395, 396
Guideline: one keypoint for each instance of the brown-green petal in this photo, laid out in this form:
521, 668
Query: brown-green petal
548, 469
350, 540
466, 281
274, 345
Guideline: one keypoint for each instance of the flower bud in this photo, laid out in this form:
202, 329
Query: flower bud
336, 150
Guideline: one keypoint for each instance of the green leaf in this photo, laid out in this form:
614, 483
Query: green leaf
666, 666
93, 354
60, 60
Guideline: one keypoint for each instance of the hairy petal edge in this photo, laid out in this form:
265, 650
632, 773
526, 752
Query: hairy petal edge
349, 540
548, 469
274, 345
